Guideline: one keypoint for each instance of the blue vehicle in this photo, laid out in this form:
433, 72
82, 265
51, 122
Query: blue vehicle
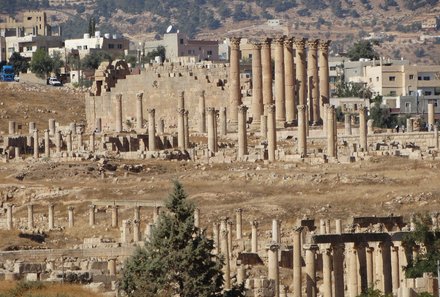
7, 73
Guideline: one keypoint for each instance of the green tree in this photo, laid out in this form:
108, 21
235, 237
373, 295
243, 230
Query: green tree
381, 114
177, 261
41, 63
57, 63
159, 51
362, 49
94, 59
426, 261
19, 62
371, 292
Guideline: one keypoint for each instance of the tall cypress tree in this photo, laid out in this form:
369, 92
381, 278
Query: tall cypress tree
178, 260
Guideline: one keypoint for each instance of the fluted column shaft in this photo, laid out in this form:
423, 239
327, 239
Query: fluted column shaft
257, 84
280, 100
301, 73
290, 80
234, 79
312, 65
266, 64
151, 129
139, 111
324, 76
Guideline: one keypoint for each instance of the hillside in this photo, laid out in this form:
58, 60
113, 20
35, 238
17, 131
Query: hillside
342, 21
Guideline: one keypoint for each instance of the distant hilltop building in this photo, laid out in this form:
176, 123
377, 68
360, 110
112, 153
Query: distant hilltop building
430, 23
33, 23
179, 47
111, 43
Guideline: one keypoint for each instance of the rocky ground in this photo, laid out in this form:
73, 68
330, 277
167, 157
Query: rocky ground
381, 187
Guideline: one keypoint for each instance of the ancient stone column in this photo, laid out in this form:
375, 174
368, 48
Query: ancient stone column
92, 142
17, 153
92, 214
9, 221
216, 237
186, 123
202, 113
431, 116
271, 132
369, 252
254, 237
352, 271
311, 270
230, 245
289, 80
276, 231
111, 266
51, 223
118, 113
386, 264
136, 230
347, 123
242, 135
11, 128
114, 216
331, 133
436, 145
46, 144
58, 141
71, 221
363, 128
98, 125
327, 272
238, 221
80, 140
266, 64
257, 84
302, 127
272, 257
223, 121
30, 213
151, 129
338, 269
32, 127
312, 68
211, 130
324, 76
181, 100
338, 226
280, 99
156, 214
301, 73
139, 111
297, 282
241, 273
322, 226
161, 127
181, 128
409, 125
52, 127
234, 79
197, 217
36, 145
370, 126
263, 127
395, 270
69, 141
72, 127
225, 252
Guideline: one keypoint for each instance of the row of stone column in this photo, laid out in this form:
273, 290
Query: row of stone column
309, 70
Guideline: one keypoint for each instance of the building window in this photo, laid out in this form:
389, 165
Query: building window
410, 93
419, 78
210, 54
377, 78
119, 46
85, 47
392, 78
181, 40
111, 46
29, 48
411, 76
427, 93
426, 78
79, 47
392, 93
408, 107
332, 68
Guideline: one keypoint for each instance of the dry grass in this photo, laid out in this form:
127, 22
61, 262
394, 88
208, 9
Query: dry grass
39, 289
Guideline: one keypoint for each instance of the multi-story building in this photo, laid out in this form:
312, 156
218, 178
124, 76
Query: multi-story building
27, 45
33, 23
178, 45
112, 44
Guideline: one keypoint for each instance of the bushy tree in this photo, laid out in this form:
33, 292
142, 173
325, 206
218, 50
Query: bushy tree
41, 63
178, 259
19, 62
426, 261
94, 59
362, 49
159, 51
